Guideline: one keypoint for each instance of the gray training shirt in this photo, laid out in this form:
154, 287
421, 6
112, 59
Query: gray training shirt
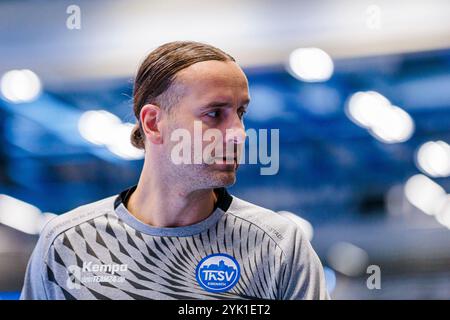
241, 251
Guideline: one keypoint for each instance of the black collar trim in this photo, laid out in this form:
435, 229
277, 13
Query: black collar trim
224, 199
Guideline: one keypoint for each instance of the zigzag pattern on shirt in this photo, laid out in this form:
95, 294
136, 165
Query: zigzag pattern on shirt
164, 267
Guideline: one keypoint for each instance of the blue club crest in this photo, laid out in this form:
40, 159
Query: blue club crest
218, 272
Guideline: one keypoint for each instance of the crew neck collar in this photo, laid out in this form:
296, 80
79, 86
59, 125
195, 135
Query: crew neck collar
224, 200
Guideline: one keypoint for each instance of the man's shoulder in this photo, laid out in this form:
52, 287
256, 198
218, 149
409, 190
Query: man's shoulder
73, 218
281, 229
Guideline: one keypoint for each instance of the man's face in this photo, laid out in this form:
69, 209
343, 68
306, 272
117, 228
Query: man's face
214, 95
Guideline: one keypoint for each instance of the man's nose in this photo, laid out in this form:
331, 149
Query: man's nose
236, 133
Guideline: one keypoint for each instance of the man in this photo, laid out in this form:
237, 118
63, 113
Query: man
178, 234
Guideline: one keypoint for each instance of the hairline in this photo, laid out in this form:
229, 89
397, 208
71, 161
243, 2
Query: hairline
171, 97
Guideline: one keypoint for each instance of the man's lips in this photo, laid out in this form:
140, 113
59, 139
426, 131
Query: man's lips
226, 160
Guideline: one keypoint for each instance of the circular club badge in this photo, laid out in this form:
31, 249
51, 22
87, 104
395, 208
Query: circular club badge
218, 272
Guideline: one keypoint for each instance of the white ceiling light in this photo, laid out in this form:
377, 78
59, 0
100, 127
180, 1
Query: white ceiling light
433, 158
443, 212
347, 258
425, 194
374, 112
396, 126
20, 86
121, 145
98, 127
19, 215
366, 108
443, 215
106, 129
310, 64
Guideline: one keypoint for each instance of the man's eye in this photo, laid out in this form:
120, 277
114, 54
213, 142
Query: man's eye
241, 114
213, 114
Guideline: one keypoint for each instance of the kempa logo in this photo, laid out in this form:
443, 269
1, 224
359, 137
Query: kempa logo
108, 268
78, 276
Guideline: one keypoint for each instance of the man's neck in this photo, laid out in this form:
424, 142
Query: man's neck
160, 205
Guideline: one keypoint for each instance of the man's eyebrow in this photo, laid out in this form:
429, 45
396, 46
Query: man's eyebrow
218, 104
224, 104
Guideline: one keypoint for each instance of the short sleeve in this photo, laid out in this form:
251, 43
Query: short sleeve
304, 276
33, 287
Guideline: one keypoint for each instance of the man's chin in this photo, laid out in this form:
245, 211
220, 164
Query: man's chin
223, 178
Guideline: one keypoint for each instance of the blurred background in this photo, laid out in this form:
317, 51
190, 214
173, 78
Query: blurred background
360, 91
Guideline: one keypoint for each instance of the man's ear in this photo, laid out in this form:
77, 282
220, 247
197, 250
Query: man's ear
150, 116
